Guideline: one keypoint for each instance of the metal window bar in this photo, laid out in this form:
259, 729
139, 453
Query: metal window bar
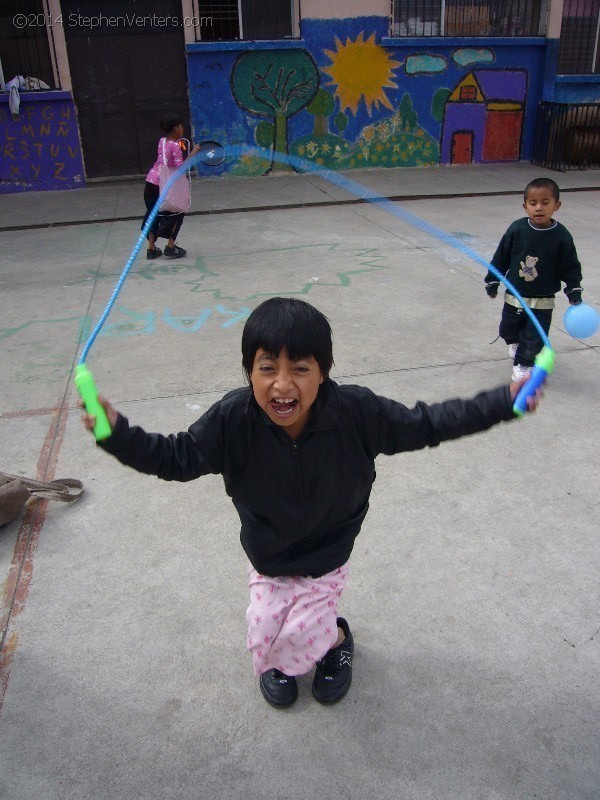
567, 136
243, 19
216, 21
578, 47
266, 19
506, 18
26, 41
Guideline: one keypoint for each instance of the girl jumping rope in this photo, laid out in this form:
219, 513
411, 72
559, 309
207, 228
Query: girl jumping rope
297, 455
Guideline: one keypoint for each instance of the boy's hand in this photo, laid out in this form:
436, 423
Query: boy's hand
515, 388
574, 296
89, 420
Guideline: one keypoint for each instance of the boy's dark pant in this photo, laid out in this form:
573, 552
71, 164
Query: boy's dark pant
517, 328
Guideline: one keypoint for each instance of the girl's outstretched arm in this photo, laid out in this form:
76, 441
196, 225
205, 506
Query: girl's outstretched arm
177, 457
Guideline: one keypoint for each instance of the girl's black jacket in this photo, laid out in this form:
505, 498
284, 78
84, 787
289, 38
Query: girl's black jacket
301, 504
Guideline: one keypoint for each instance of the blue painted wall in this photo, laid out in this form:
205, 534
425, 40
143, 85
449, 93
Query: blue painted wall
577, 89
40, 147
384, 102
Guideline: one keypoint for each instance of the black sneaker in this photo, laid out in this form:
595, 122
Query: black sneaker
278, 689
333, 675
175, 252
152, 254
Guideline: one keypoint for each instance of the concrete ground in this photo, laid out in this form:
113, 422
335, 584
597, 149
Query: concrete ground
474, 592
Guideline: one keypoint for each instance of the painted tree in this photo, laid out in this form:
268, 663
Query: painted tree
275, 84
407, 113
438, 103
322, 107
264, 134
340, 121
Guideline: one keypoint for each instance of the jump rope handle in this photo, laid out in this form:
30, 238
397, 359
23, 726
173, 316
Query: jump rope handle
544, 364
86, 387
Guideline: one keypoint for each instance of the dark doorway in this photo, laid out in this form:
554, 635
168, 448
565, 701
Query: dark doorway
128, 69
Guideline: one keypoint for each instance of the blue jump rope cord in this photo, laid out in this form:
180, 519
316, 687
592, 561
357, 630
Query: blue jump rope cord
350, 186
138, 245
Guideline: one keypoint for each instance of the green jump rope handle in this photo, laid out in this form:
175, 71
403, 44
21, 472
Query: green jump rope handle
86, 387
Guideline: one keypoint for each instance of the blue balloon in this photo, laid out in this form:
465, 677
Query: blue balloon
581, 321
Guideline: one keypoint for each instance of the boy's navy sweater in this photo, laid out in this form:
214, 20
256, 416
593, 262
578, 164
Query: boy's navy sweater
302, 504
537, 260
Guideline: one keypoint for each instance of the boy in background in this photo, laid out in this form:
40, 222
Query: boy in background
536, 254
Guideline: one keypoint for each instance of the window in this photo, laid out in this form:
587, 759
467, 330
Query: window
468, 94
24, 47
416, 18
469, 17
244, 19
578, 49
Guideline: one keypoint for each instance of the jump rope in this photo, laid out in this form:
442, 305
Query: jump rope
213, 154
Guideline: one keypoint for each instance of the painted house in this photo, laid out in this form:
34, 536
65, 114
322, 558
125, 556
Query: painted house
483, 117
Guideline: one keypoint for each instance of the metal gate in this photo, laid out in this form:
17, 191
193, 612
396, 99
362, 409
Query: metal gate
128, 70
567, 136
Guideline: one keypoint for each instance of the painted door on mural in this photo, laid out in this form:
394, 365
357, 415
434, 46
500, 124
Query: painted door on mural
125, 78
502, 139
462, 147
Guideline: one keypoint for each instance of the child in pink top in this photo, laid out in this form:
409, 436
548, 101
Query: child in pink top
168, 224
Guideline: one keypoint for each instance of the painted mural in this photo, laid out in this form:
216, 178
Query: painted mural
483, 119
40, 146
274, 85
347, 97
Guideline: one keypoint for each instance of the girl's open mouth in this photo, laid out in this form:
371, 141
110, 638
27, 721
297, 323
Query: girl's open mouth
283, 407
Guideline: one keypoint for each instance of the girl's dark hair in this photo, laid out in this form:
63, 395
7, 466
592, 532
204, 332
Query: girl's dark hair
287, 323
543, 183
168, 123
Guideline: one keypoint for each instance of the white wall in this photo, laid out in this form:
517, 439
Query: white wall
343, 9
60, 63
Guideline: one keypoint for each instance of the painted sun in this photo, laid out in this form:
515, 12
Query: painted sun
361, 69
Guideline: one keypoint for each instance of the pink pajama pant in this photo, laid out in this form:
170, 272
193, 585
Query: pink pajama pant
292, 621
